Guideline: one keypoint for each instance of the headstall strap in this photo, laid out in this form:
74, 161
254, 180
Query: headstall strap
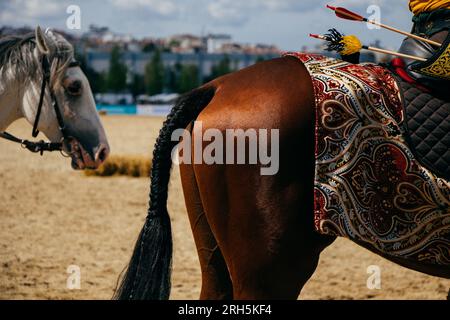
42, 146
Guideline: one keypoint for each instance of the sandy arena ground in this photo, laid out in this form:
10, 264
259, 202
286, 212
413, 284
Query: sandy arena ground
52, 217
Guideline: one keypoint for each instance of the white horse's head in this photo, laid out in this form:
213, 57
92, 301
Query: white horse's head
87, 143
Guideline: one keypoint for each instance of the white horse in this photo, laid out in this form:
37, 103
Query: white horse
41, 81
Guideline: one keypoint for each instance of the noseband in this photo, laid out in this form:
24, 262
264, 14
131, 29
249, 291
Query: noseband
42, 146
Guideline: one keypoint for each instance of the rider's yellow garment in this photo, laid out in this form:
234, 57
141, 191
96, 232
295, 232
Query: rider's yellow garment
419, 6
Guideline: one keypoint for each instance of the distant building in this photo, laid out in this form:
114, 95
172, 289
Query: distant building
215, 42
185, 43
232, 48
104, 34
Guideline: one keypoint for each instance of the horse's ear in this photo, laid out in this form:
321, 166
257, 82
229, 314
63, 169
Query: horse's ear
42, 41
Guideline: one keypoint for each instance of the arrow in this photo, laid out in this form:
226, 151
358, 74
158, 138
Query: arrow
375, 49
349, 15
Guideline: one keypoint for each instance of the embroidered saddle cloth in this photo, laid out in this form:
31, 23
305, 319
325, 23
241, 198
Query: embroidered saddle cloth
369, 186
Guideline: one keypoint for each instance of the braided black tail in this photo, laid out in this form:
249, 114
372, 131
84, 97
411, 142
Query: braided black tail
148, 273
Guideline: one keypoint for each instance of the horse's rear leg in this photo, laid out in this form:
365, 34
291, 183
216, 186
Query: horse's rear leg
278, 256
216, 283
270, 251
265, 272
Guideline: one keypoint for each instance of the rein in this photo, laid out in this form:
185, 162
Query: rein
42, 146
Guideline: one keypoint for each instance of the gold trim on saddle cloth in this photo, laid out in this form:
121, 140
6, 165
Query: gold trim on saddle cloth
438, 66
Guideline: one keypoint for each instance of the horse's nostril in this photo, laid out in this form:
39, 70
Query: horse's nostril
102, 154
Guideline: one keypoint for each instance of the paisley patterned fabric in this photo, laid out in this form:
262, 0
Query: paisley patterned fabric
368, 186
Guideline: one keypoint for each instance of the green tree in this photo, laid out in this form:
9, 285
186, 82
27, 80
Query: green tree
137, 85
174, 43
222, 68
96, 79
116, 79
149, 47
154, 74
172, 76
188, 78
260, 59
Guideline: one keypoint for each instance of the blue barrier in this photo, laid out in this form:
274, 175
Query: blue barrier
118, 109
145, 110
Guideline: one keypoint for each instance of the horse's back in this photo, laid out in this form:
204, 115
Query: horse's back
273, 93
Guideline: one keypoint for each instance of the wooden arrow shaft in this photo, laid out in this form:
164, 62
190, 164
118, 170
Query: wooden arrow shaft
434, 43
394, 53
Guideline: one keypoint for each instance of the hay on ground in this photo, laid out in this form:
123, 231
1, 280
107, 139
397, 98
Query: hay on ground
133, 166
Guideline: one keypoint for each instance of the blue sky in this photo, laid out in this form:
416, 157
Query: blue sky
286, 23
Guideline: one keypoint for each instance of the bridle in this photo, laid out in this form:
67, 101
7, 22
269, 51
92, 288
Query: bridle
42, 146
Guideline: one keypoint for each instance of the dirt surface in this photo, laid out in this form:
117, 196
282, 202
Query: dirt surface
52, 217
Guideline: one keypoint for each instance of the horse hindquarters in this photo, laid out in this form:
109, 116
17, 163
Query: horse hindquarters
263, 225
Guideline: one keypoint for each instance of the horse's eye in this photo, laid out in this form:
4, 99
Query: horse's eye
74, 88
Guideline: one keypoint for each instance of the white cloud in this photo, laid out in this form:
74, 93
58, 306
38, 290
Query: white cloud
231, 11
160, 7
37, 8
238, 12
29, 10
386, 6
223, 12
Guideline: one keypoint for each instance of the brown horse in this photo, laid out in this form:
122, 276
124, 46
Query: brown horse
254, 234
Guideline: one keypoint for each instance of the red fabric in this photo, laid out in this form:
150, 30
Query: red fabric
400, 69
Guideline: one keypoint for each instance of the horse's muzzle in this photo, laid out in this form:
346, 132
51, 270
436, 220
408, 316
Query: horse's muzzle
81, 159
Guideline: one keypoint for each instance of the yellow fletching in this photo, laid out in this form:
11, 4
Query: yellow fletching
351, 45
